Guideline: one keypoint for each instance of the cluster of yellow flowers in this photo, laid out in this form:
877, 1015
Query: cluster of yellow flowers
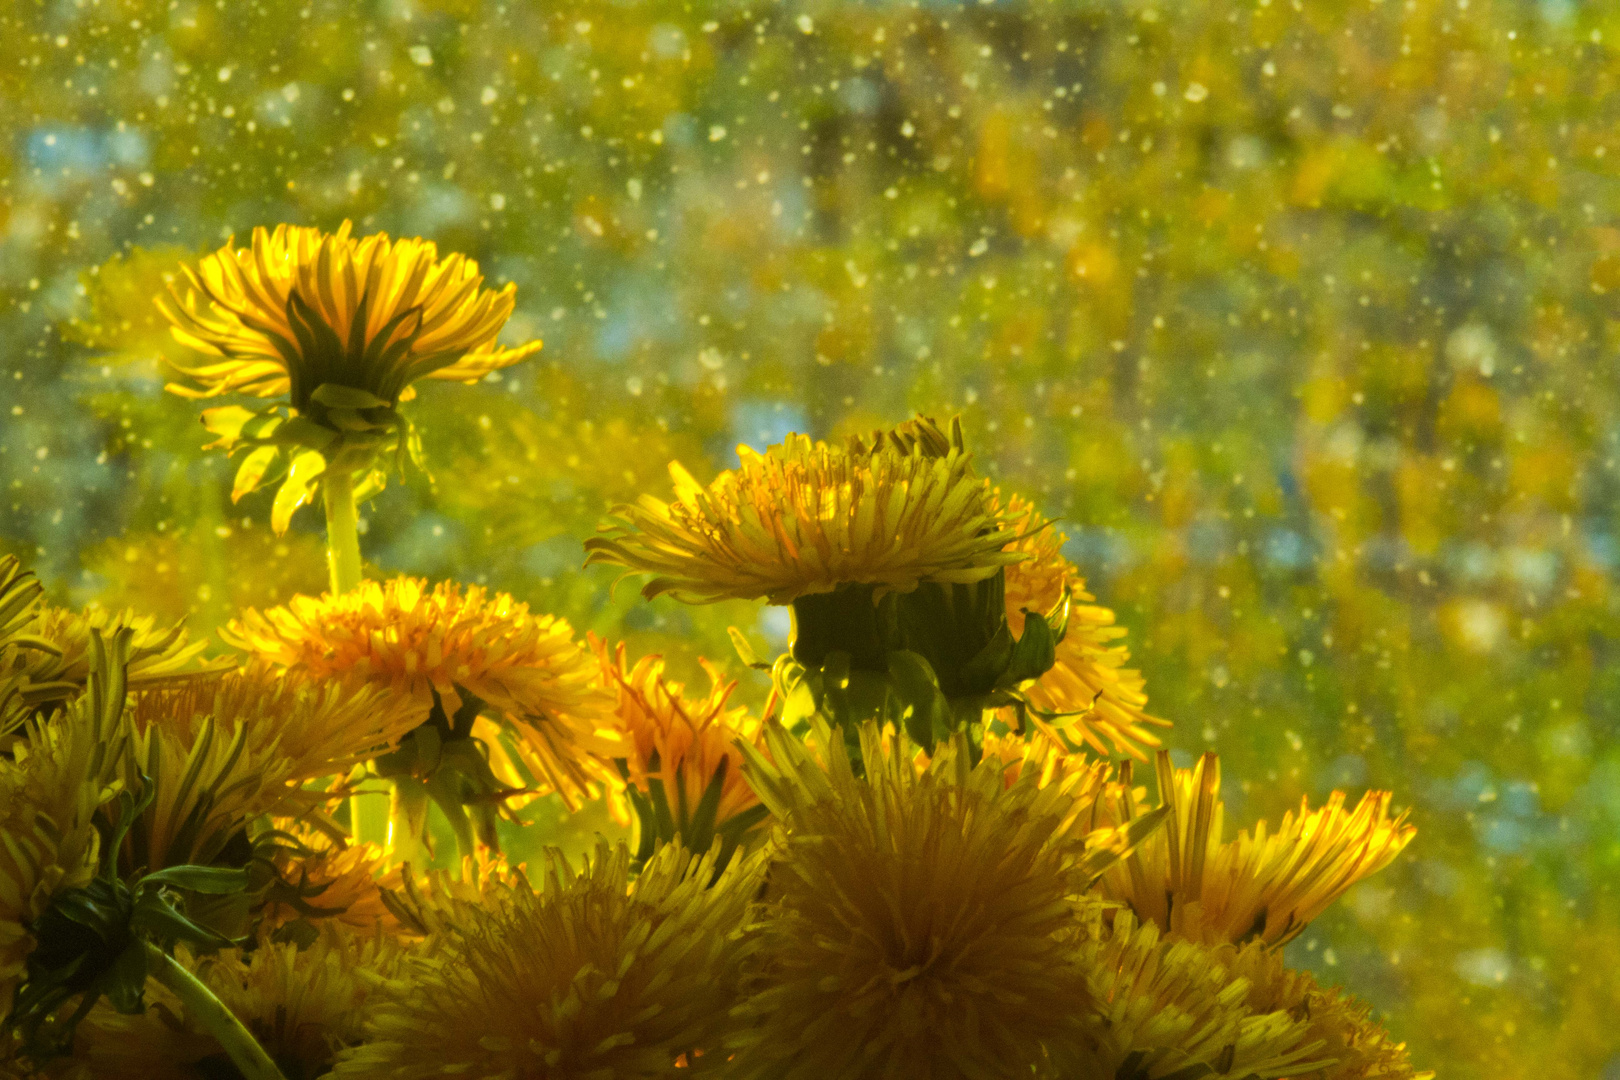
910, 861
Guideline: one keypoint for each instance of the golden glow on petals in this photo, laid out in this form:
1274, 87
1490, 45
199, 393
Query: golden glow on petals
416, 641
1163, 1006
1089, 678
590, 976
806, 517
677, 740
1265, 885
913, 921
347, 884
393, 312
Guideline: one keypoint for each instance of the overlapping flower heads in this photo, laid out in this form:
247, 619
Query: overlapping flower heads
1264, 886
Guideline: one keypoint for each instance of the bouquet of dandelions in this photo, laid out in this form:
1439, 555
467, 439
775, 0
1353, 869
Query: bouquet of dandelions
916, 859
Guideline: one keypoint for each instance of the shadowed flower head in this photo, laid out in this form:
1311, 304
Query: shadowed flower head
451, 647
302, 308
683, 771
1098, 702
1266, 886
806, 517
590, 976
301, 1004
324, 882
1161, 1008
915, 916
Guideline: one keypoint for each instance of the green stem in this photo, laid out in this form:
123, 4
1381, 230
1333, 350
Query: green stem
201, 1004
342, 532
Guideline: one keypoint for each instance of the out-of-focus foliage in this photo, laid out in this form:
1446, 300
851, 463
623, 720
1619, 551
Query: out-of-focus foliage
1301, 313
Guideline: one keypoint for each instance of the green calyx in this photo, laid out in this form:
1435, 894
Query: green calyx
441, 763
658, 822
93, 941
931, 660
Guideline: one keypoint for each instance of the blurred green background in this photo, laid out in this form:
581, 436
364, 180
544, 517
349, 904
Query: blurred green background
1301, 314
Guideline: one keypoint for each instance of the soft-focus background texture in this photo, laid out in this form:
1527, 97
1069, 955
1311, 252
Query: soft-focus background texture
1301, 314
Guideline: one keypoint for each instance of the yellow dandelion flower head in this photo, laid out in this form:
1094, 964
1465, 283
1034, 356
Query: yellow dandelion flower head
1047, 764
914, 915
301, 308
1264, 886
329, 882
1360, 1047
301, 1004
446, 641
318, 728
438, 902
50, 656
591, 975
677, 741
1098, 700
1162, 1007
806, 517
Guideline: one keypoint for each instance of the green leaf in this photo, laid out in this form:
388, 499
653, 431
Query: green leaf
252, 471
125, 983
924, 710
745, 651
1033, 655
227, 421
213, 880
296, 490
337, 396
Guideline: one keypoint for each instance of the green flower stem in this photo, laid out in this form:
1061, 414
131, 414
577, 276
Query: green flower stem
342, 531
200, 1002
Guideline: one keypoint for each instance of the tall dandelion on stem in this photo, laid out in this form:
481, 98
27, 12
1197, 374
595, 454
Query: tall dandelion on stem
338, 329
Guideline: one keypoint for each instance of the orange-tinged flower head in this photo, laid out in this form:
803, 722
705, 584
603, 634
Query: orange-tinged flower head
681, 743
445, 642
1264, 886
1100, 701
327, 882
806, 517
301, 308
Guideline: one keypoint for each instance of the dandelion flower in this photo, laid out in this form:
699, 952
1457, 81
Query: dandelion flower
50, 655
437, 645
589, 976
683, 770
914, 917
328, 882
1266, 886
806, 517
1163, 1007
1359, 1047
300, 309
1088, 681
301, 1004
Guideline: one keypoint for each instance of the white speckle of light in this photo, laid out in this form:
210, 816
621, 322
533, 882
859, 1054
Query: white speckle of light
633, 384
1196, 92
225, 74
488, 96
497, 201
582, 27
980, 246
806, 24
421, 56
908, 129
716, 132
712, 359
633, 186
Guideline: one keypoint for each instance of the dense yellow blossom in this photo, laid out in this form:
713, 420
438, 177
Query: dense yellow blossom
342, 883
301, 1004
914, 916
681, 743
302, 308
806, 517
1088, 679
1265, 885
1161, 1007
425, 644
590, 976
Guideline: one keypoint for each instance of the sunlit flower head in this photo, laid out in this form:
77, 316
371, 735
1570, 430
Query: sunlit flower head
590, 976
675, 747
325, 882
50, 655
1100, 701
319, 727
302, 308
441, 902
1360, 1047
1263, 886
806, 517
1161, 1007
448, 641
914, 917
301, 1004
